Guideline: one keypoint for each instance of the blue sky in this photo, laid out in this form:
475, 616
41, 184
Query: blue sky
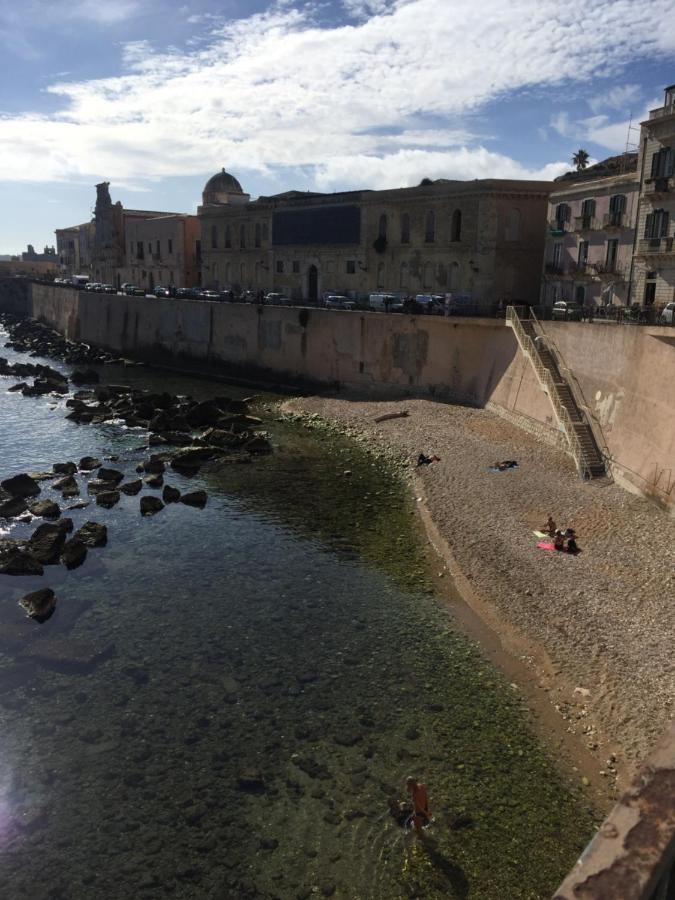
155, 97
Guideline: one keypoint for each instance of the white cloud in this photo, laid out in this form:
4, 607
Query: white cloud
277, 91
622, 97
108, 12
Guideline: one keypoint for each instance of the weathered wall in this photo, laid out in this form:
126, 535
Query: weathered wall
14, 296
624, 374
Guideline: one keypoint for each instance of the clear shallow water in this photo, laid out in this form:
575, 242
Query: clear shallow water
286, 628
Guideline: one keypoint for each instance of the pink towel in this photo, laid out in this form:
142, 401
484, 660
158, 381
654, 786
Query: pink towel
545, 545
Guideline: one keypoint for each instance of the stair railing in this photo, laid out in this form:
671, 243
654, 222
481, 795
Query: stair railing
549, 385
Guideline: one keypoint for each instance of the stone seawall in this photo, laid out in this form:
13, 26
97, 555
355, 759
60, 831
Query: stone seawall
625, 375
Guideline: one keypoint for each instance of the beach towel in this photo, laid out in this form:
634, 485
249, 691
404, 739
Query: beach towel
541, 534
546, 545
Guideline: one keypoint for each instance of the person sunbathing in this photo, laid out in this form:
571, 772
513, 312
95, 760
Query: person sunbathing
550, 527
559, 541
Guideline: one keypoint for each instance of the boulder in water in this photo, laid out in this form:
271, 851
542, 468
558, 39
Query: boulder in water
84, 376
39, 605
73, 554
66, 468
67, 485
16, 559
10, 507
46, 509
195, 498
92, 534
46, 543
170, 494
154, 481
87, 463
150, 505
113, 475
131, 487
21, 486
107, 499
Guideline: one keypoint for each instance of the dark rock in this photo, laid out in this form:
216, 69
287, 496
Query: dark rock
150, 505
67, 485
39, 605
131, 487
113, 475
233, 406
21, 486
268, 843
156, 440
84, 376
46, 543
155, 465
66, 468
220, 438
87, 463
154, 481
258, 444
107, 499
177, 438
46, 509
205, 413
73, 554
12, 507
80, 504
251, 781
96, 486
45, 386
311, 767
16, 559
92, 534
195, 498
170, 494
65, 524
190, 459
18, 387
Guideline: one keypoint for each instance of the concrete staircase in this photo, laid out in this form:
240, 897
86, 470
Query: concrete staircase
581, 442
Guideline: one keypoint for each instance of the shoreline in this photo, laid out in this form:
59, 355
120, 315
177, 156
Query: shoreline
598, 715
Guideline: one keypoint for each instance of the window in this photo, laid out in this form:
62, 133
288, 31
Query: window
428, 274
512, 229
557, 255
170, 248
351, 267
587, 213
403, 280
214, 236
380, 275
296, 266
562, 215
139, 250
157, 248
617, 207
150, 248
662, 163
580, 295
280, 267
228, 273
257, 234
382, 227
456, 226
242, 274
242, 237
405, 228
612, 252
430, 227
656, 224
453, 276
583, 254
198, 251
265, 233
228, 237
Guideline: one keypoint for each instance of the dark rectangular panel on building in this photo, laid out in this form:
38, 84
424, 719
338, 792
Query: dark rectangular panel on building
321, 225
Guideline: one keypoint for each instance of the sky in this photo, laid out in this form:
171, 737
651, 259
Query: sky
155, 97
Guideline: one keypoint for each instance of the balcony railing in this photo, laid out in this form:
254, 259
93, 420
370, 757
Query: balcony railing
558, 228
609, 271
586, 223
656, 187
552, 268
613, 220
662, 111
655, 246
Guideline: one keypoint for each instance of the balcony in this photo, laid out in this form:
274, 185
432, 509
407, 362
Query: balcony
552, 268
156, 257
655, 188
586, 223
556, 228
662, 111
614, 220
655, 246
615, 271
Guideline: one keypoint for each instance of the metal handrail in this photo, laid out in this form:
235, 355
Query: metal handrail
547, 382
560, 361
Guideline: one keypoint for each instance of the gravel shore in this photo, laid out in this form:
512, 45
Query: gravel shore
598, 629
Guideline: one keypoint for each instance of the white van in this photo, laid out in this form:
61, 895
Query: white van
382, 302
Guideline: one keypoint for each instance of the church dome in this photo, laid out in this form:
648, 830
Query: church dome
222, 183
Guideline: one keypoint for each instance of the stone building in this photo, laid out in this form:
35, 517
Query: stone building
482, 238
590, 236
161, 250
48, 255
654, 269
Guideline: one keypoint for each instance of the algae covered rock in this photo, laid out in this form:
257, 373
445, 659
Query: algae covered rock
39, 605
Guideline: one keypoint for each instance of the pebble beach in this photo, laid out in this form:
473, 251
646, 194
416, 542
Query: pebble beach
596, 630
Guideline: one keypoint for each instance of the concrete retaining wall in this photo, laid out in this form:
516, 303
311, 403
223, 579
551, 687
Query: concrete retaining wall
626, 375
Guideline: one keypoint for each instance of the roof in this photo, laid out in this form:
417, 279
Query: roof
223, 183
613, 165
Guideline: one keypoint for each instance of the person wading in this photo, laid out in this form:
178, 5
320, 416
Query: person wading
420, 800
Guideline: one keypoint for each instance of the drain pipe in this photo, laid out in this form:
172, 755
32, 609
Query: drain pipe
637, 223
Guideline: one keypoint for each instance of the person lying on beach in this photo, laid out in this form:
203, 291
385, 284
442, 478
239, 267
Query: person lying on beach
572, 543
506, 464
559, 541
423, 460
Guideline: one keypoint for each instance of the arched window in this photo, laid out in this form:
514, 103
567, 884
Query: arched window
264, 231
380, 275
403, 280
405, 228
215, 274
617, 207
580, 294
428, 274
587, 212
242, 236
257, 273
228, 274
430, 227
257, 234
456, 226
382, 227
512, 229
453, 276
214, 236
242, 274
228, 237
562, 215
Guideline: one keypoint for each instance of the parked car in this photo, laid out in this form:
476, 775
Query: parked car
123, 287
210, 295
337, 301
108, 289
566, 309
667, 316
133, 291
184, 294
277, 299
161, 291
382, 302
90, 286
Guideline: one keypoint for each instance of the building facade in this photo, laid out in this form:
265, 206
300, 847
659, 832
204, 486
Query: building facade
482, 238
654, 269
589, 243
161, 250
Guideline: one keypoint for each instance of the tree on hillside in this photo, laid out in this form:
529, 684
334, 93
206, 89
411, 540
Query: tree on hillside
425, 181
580, 160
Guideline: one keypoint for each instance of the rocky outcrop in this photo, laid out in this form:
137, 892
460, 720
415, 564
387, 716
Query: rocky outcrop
88, 463
46, 509
150, 505
191, 458
155, 465
107, 499
16, 559
131, 487
112, 475
21, 486
47, 541
67, 485
92, 534
195, 498
170, 494
74, 553
39, 605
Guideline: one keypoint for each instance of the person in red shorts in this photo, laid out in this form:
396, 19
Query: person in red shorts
420, 800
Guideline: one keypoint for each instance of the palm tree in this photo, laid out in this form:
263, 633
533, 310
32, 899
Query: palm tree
580, 160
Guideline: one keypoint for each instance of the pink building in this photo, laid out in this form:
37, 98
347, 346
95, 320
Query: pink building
590, 237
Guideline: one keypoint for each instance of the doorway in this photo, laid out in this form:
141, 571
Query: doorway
650, 293
313, 283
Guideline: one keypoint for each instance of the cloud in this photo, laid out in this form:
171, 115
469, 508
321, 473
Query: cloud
621, 97
278, 91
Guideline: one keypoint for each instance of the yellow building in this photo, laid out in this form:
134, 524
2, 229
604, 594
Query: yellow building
482, 238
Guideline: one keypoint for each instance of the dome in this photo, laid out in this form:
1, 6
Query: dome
223, 183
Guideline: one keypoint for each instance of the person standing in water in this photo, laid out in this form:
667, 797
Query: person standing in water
420, 801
